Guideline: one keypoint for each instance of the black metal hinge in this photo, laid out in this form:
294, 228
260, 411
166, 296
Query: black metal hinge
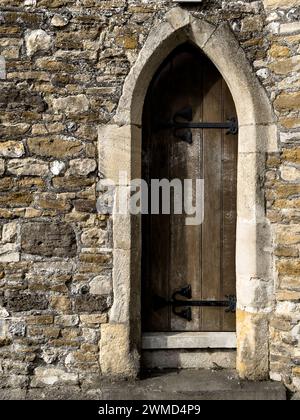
186, 313
182, 130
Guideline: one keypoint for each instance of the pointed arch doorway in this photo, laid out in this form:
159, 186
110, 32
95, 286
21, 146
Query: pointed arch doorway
120, 143
199, 259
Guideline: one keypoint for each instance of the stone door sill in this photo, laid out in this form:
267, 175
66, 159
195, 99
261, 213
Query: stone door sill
189, 340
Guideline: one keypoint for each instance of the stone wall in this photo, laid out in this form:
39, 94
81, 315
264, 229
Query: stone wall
280, 75
62, 68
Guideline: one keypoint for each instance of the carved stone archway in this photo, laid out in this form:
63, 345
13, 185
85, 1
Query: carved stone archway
120, 150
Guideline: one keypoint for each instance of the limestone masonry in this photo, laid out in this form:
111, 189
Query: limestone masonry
63, 64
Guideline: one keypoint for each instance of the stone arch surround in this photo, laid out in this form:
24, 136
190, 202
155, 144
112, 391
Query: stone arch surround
120, 150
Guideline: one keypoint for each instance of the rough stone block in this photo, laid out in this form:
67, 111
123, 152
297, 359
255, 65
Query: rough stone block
85, 206
14, 98
101, 285
252, 24
72, 183
290, 173
2, 67
52, 201
93, 319
287, 101
59, 21
287, 295
6, 184
252, 345
276, 4
116, 358
56, 146
82, 167
286, 66
44, 376
9, 232
91, 304
9, 253
13, 130
287, 235
25, 302
37, 40
94, 237
279, 51
28, 166
2, 166
288, 267
98, 258
48, 239
291, 155
290, 122
57, 167
71, 104
12, 149
67, 320
60, 303
284, 251
289, 28
290, 282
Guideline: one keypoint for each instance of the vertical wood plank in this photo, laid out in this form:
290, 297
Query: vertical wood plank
184, 164
211, 229
230, 153
156, 228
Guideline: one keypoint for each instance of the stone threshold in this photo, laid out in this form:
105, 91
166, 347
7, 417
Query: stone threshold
188, 340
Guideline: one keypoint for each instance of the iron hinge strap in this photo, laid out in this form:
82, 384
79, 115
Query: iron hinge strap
186, 115
231, 125
186, 313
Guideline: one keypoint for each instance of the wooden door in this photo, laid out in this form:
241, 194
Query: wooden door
174, 254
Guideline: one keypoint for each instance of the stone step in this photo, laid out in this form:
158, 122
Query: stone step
195, 385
